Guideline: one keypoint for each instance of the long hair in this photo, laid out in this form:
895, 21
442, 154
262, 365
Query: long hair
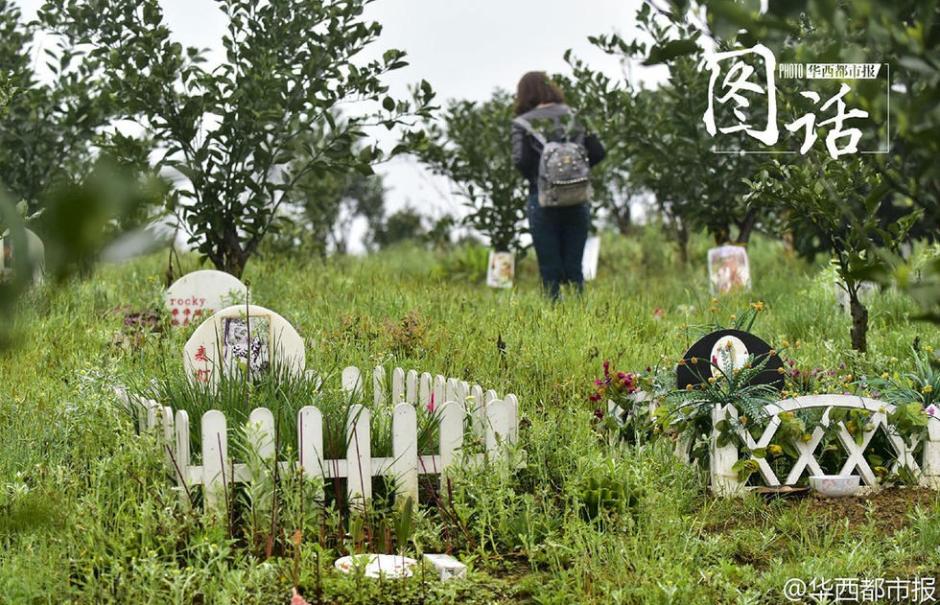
534, 89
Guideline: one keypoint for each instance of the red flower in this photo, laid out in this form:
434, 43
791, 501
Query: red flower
431, 405
201, 354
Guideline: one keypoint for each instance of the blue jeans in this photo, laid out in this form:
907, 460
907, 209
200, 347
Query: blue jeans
558, 235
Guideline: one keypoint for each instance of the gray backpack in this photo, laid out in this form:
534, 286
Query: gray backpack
564, 171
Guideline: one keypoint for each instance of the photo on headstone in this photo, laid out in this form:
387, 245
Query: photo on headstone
246, 345
728, 269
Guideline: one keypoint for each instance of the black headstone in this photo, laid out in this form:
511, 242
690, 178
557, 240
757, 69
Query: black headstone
695, 373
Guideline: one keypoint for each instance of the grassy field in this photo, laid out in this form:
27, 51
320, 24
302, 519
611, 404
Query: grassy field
88, 516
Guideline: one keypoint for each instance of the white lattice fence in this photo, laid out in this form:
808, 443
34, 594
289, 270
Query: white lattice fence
492, 420
725, 480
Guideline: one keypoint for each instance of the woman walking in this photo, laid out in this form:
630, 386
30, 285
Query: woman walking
554, 153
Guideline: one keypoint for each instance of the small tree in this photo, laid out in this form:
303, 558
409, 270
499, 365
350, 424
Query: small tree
472, 149
837, 201
229, 132
48, 130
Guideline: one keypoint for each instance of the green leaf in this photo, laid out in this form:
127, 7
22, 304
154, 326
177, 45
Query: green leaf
670, 50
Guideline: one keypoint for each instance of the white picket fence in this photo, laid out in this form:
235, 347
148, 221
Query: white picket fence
725, 481
493, 419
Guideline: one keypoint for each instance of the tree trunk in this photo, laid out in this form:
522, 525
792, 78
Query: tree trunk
859, 319
682, 240
234, 257
623, 219
746, 227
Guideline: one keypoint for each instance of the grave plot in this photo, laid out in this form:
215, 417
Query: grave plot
395, 427
731, 415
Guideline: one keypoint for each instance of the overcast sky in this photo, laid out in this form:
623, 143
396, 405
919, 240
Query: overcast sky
464, 48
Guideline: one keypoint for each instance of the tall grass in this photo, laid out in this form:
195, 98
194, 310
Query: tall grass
114, 529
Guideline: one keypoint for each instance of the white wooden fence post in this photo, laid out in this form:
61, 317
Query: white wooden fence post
931, 461
724, 479
451, 435
411, 387
498, 429
440, 390
358, 457
513, 404
216, 471
478, 411
378, 385
450, 391
352, 382
424, 389
310, 444
182, 455
260, 433
405, 451
169, 439
398, 386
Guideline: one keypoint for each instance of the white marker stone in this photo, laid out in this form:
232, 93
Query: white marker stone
243, 338
199, 294
448, 568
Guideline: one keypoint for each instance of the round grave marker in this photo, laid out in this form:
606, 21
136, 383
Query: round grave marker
199, 294
738, 346
243, 338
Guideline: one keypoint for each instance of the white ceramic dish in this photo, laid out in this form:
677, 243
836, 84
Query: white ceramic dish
835, 486
389, 566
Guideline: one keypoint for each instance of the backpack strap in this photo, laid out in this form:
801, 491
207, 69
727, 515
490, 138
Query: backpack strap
527, 126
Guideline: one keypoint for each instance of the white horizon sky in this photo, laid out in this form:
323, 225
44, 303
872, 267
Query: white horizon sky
464, 48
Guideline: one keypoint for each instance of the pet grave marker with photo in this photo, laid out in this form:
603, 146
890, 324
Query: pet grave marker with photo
592, 255
728, 269
501, 269
199, 294
243, 339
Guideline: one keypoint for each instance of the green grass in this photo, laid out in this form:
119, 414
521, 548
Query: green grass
87, 514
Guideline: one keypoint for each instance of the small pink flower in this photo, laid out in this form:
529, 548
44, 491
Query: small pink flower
431, 407
932, 410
